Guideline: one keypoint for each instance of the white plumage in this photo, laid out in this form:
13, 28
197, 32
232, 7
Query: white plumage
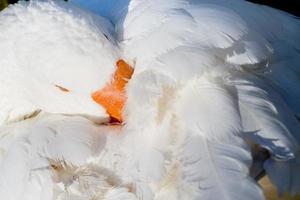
213, 80
44, 45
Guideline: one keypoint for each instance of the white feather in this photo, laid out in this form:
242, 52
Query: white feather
25, 168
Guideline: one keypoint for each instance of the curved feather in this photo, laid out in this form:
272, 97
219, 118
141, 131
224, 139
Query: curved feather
266, 116
28, 147
215, 160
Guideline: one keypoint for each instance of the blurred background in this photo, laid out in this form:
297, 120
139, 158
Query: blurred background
292, 6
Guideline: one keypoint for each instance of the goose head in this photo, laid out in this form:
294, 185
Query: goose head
57, 62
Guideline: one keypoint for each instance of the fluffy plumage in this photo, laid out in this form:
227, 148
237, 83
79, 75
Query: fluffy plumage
212, 80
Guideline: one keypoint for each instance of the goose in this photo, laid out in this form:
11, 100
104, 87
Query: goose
148, 99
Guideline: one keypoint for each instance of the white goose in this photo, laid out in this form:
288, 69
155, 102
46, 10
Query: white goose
214, 81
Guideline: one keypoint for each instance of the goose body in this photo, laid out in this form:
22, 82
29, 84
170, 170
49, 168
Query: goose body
214, 82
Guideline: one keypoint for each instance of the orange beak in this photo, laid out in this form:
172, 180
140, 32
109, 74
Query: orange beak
113, 96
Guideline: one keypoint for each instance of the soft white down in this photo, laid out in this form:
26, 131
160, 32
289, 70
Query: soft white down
214, 81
